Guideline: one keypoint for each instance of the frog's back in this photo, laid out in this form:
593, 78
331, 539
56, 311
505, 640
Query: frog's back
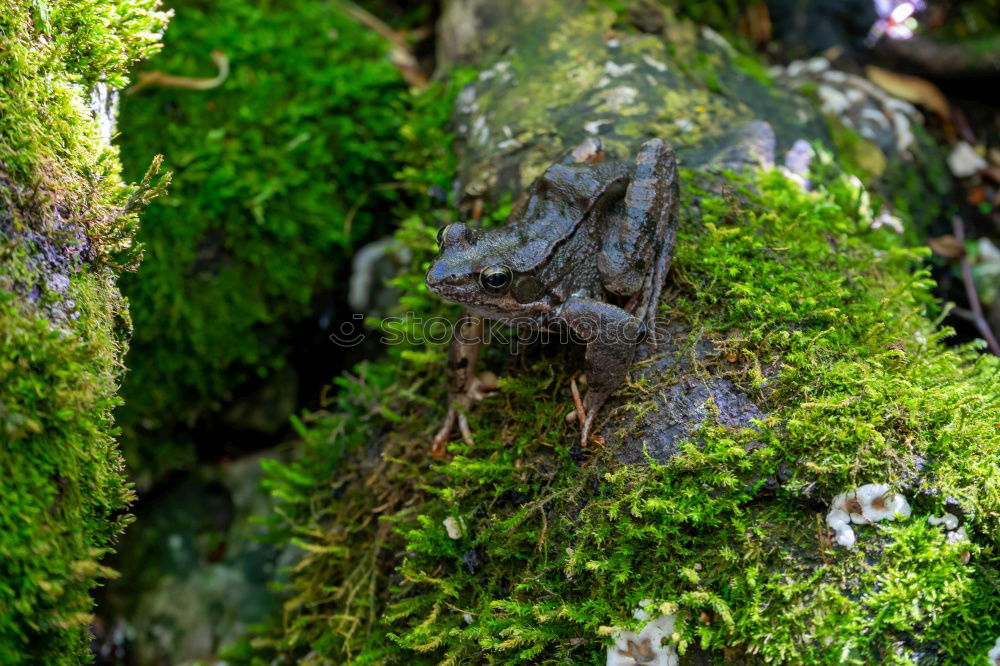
558, 206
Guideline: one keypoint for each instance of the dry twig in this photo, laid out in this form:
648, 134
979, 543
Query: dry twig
400, 54
158, 78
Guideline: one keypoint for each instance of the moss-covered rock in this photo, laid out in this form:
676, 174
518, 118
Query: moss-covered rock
803, 362
566, 80
792, 294
66, 226
278, 172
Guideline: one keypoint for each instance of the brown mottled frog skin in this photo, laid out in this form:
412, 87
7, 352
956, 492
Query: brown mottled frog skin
588, 248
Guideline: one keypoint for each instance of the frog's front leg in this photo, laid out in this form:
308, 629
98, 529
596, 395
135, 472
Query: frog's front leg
611, 335
464, 387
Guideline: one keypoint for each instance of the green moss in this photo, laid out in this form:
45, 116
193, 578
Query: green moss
823, 323
65, 229
62, 474
922, 191
858, 155
279, 172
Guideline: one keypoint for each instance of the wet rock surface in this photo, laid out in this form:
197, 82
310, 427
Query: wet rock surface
682, 397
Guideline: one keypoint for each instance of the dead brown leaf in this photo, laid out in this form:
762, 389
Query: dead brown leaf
911, 88
947, 246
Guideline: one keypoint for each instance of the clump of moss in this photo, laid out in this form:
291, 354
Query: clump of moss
279, 172
824, 325
66, 223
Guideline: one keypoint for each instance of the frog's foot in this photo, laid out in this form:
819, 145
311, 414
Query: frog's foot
592, 404
440, 449
479, 388
579, 414
582, 415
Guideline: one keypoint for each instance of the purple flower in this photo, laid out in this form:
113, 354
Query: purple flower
895, 20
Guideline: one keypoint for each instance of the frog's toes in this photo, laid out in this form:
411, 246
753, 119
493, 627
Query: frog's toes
439, 450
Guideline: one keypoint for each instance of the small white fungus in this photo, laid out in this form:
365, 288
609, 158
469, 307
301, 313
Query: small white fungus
885, 219
840, 522
964, 161
994, 654
645, 647
954, 530
868, 504
453, 527
949, 520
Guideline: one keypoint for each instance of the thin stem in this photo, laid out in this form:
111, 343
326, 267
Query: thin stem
970, 290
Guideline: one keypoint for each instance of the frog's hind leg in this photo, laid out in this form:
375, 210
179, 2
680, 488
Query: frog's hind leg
646, 313
611, 335
638, 242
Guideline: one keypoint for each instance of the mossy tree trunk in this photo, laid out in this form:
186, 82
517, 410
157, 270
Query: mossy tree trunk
66, 222
801, 364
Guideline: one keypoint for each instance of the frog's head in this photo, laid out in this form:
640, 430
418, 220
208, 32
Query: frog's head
471, 270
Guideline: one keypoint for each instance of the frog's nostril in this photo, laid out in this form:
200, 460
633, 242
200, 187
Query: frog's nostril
438, 275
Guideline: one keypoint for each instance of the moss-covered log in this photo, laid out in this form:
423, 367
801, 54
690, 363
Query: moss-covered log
803, 362
66, 223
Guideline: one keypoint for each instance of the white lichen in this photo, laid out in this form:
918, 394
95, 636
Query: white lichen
594, 126
647, 646
613, 69
817, 64
500, 71
619, 97
466, 102
684, 124
654, 63
718, 40
832, 100
857, 103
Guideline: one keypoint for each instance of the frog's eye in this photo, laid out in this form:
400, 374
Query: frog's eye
456, 232
496, 278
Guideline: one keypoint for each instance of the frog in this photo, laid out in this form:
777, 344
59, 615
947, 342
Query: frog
587, 250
